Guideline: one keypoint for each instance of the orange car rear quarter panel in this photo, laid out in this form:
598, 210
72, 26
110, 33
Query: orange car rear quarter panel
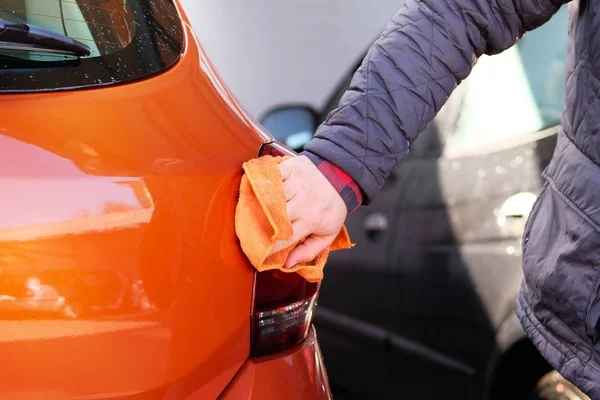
298, 373
119, 202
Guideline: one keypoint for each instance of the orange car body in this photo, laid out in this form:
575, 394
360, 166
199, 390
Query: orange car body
119, 200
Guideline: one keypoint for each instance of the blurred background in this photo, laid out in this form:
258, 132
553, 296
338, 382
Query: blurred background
272, 52
424, 305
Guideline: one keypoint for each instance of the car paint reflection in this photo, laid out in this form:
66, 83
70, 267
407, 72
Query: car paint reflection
70, 295
44, 271
38, 297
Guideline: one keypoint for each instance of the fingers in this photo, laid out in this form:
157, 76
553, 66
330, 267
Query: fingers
294, 210
285, 170
300, 232
280, 245
308, 250
290, 190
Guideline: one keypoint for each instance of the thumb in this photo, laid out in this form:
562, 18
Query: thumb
282, 244
308, 250
300, 231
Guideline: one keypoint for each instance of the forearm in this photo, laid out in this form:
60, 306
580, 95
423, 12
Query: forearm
428, 48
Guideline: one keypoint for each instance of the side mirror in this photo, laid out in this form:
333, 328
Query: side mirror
293, 125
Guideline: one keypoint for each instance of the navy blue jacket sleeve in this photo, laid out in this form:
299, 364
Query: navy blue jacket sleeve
408, 74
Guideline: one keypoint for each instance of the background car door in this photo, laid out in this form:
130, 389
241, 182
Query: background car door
415, 307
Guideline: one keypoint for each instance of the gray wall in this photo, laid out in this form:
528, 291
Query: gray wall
272, 52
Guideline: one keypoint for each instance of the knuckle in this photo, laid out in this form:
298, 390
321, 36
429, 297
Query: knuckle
310, 222
284, 169
301, 230
289, 190
289, 209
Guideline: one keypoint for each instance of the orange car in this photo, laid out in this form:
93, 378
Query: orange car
120, 272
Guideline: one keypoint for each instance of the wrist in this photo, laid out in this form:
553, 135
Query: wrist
341, 181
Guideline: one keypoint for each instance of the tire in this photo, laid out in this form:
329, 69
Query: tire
553, 386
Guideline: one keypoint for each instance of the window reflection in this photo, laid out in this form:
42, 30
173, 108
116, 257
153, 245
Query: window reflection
42, 293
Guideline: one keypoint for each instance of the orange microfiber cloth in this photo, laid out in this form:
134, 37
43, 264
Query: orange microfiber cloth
261, 220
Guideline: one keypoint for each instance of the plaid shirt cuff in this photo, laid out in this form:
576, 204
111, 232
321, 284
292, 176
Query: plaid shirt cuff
341, 181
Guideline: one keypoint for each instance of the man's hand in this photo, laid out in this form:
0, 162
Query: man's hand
315, 208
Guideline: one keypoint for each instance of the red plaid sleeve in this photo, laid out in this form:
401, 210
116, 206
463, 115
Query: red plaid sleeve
341, 181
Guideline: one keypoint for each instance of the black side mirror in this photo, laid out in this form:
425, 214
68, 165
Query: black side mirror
293, 125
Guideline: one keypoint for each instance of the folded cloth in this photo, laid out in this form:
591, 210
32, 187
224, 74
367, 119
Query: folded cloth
261, 220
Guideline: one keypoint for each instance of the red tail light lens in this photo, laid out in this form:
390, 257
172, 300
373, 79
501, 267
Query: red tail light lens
283, 303
283, 311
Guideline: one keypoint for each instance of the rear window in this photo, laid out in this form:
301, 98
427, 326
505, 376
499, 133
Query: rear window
129, 40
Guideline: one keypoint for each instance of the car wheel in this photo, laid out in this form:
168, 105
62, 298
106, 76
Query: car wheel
553, 386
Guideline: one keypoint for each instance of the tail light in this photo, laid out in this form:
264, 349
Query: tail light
283, 311
283, 303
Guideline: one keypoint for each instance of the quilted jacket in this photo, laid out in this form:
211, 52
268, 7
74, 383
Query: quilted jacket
406, 77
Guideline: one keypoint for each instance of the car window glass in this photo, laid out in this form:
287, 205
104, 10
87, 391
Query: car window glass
105, 26
129, 40
517, 92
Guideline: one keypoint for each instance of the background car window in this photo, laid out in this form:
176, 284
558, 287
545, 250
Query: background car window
129, 40
517, 92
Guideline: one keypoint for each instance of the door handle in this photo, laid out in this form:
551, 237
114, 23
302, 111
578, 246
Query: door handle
375, 224
513, 213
